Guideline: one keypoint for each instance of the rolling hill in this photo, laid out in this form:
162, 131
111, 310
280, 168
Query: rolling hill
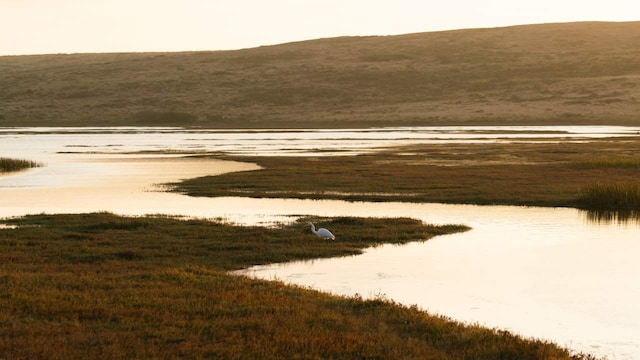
568, 73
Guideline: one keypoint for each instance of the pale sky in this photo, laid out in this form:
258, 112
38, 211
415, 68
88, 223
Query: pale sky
72, 26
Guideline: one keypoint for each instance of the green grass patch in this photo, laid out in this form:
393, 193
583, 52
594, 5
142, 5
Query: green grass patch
9, 165
102, 286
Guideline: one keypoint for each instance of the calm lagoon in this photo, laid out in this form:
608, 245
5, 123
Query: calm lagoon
543, 272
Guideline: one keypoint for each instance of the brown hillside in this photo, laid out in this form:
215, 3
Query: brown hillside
572, 73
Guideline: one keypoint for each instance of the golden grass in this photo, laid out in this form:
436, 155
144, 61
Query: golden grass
575, 73
101, 286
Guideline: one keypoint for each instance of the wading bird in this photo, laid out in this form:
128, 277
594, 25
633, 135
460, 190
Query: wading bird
322, 232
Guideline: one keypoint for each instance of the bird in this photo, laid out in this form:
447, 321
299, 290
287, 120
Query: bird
322, 232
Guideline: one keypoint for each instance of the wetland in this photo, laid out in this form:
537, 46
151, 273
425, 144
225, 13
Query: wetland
123, 240
527, 269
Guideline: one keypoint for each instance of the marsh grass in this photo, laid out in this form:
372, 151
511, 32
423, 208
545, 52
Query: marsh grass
609, 162
608, 199
540, 174
611, 196
9, 165
100, 286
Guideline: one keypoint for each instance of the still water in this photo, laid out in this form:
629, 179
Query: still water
546, 273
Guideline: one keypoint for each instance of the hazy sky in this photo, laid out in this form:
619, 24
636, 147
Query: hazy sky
69, 26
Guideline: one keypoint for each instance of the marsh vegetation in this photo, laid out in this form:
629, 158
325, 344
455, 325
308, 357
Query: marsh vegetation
624, 197
599, 174
9, 165
102, 286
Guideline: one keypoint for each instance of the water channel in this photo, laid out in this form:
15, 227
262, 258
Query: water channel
540, 272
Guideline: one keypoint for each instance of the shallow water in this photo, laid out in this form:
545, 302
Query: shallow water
38, 141
548, 273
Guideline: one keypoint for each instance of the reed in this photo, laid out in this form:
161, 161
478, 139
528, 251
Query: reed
9, 165
611, 196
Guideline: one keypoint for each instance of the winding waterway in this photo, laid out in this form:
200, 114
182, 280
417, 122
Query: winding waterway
541, 272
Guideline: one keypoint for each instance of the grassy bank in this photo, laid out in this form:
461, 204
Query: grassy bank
574, 73
542, 174
101, 286
9, 165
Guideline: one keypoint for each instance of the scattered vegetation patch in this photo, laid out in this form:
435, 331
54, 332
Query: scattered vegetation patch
9, 165
84, 286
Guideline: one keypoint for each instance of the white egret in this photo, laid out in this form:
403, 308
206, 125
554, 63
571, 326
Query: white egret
322, 232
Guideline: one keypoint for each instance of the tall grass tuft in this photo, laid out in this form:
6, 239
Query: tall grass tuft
8, 165
611, 196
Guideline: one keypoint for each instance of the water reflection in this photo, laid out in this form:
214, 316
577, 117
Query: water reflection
621, 217
282, 142
544, 273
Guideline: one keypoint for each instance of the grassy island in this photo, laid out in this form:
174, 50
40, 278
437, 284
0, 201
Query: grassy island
595, 175
102, 286
9, 165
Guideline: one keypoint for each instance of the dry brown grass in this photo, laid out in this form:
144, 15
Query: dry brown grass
574, 73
